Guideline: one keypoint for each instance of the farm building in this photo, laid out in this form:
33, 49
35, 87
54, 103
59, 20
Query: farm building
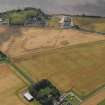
28, 96
3, 21
44, 92
66, 22
35, 21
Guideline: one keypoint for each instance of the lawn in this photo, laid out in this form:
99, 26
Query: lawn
53, 22
79, 67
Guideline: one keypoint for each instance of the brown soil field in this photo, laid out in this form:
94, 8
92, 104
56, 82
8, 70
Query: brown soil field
17, 41
10, 85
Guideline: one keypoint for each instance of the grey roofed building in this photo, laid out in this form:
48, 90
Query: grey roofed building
35, 21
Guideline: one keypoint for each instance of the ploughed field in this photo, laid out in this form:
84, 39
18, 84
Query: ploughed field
10, 85
79, 67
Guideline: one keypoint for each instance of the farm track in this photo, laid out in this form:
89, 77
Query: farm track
22, 74
96, 98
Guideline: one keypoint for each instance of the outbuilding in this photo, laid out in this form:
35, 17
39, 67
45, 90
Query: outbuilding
66, 22
28, 96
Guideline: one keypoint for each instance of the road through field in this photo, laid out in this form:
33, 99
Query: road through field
96, 99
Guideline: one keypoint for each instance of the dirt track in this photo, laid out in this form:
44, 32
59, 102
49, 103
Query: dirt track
96, 99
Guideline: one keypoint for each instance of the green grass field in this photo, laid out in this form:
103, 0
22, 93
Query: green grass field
91, 24
80, 67
53, 22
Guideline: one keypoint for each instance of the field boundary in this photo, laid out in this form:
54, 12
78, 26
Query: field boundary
19, 72
74, 94
44, 50
86, 30
94, 91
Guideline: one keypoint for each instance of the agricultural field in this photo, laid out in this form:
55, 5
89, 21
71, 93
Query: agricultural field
79, 67
91, 23
18, 41
53, 22
10, 85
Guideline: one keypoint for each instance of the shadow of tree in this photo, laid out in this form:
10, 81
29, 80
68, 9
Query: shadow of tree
14, 31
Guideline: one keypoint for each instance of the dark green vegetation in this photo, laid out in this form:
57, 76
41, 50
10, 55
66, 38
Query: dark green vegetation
72, 100
102, 103
44, 92
3, 56
18, 17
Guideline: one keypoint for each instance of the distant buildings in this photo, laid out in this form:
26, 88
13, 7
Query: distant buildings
35, 21
4, 21
66, 22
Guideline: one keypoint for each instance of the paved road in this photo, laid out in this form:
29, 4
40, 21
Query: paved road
97, 98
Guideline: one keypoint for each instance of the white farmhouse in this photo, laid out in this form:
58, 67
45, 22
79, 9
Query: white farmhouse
66, 22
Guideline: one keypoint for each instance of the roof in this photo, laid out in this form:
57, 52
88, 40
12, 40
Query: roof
28, 96
65, 18
1, 19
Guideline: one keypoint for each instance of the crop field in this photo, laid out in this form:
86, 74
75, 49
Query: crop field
18, 41
80, 67
91, 24
10, 85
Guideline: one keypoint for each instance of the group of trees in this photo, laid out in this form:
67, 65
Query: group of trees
18, 17
3, 56
44, 92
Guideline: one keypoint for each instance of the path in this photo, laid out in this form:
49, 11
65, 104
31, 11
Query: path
97, 98
20, 72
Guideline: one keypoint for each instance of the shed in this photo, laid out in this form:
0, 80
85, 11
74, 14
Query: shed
1, 20
28, 96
